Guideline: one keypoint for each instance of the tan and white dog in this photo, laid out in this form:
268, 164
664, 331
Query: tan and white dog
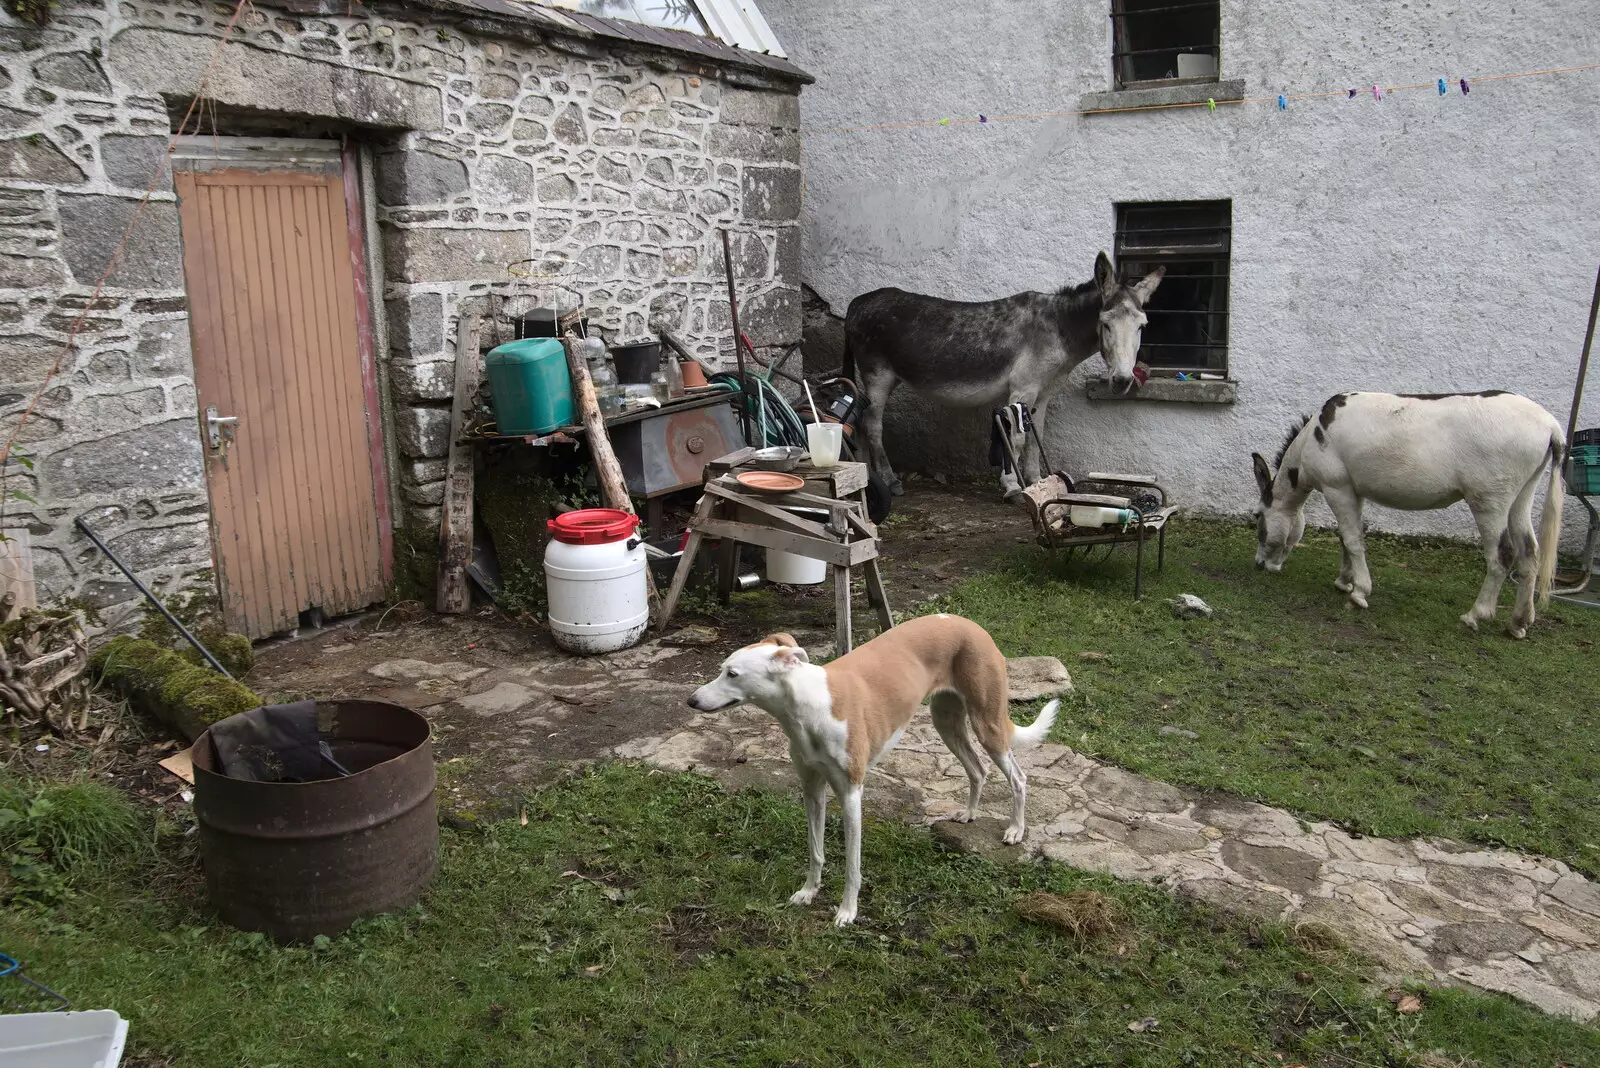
843, 718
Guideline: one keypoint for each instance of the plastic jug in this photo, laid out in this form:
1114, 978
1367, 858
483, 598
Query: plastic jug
529, 385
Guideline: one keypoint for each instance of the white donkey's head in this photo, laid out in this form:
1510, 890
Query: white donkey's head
1122, 319
757, 673
1281, 515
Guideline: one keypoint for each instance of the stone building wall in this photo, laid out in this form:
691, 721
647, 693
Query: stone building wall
612, 165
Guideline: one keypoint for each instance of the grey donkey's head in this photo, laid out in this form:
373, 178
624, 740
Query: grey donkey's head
1122, 319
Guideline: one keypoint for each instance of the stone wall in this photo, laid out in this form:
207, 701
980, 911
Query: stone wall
613, 166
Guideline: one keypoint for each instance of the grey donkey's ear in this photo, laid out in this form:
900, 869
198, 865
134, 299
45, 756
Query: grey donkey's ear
1144, 287
1105, 276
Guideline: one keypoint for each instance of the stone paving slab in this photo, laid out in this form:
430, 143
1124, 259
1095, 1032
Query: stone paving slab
1429, 909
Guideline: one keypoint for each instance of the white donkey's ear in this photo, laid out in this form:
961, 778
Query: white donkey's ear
788, 656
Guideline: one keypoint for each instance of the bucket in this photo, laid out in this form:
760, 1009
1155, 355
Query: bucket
793, 569
301, 859
636, 363
825, 440
594, 568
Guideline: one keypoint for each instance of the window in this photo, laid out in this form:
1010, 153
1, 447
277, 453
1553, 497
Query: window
1158, 42
736, 22
1187, 328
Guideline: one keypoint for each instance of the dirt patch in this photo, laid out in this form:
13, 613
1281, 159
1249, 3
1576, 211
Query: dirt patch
510, 705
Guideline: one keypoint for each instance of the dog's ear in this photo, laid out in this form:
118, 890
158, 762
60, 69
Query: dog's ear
781, 639
788, 656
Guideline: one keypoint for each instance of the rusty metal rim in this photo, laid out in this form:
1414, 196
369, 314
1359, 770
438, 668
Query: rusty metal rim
325, 831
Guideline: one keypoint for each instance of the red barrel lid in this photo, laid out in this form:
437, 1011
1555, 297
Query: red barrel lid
593, 526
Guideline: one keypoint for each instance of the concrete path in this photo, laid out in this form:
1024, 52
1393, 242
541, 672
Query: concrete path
1430, 909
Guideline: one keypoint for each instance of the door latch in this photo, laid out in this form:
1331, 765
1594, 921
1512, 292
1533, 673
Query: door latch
215, 426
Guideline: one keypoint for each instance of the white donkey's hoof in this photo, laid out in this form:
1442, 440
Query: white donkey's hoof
1343, 585
1470, 621
1358, 599
1014, 835
1518, 633
844, 917
802, 896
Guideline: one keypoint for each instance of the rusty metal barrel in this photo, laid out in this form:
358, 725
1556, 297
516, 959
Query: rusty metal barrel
301, 859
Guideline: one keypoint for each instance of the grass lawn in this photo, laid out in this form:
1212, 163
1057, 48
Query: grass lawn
1395, 721
675, 948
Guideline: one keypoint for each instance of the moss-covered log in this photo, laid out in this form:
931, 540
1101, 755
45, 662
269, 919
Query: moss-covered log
161, 684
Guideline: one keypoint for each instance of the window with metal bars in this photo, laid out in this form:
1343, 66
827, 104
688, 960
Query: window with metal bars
1159, 42
1187, 316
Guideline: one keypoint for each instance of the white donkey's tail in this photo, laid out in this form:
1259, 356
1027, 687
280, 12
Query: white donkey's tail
1035, 732
1550, 522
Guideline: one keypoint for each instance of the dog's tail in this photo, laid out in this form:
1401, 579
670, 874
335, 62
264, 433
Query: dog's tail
1035, 732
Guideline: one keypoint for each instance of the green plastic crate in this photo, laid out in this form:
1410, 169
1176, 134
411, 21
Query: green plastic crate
1583, 478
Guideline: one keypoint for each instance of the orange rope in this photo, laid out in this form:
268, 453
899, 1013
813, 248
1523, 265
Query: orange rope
985, 120
116, 254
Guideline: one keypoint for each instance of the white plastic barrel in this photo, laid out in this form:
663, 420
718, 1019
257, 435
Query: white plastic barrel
594, 570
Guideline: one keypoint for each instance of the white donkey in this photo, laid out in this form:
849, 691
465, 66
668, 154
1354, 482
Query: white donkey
1421, 452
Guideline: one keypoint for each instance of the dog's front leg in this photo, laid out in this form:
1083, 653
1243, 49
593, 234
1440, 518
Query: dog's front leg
816, 788
850, 802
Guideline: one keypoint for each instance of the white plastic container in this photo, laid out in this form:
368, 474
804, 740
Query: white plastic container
825, 440
1196, 65
91, 1039
1090, 515
594, 570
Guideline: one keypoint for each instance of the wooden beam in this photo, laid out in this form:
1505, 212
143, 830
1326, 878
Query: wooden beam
454, 592
608, 472
613, 488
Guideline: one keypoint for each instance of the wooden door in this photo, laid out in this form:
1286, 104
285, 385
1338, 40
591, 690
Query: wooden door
286, 388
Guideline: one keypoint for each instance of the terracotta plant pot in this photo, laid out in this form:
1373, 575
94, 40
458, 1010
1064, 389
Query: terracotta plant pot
692, 375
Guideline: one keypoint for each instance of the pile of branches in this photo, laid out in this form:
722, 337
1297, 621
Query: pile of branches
43, 662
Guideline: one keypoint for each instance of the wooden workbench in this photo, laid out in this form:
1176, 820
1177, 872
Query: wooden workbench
732, 514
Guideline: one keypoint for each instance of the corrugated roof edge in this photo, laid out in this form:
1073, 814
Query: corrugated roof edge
582, 28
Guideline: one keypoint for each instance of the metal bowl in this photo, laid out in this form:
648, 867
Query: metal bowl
778, 458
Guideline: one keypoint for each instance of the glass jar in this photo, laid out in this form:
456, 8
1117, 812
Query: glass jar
660, 387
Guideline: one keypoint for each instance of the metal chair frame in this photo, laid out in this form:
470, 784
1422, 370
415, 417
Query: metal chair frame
1144, 523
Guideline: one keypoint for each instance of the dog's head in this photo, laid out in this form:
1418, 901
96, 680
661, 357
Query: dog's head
754, 673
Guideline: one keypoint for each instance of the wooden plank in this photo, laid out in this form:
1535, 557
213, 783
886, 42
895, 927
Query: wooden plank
608, 472
845, 480
685, 563
842, 642
834, 552
877, 595
455, 527
768, 511
613, 488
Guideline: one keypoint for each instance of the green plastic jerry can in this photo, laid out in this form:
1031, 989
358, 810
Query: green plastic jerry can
529, 386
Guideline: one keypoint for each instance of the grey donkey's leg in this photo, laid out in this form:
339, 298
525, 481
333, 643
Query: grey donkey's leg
879, 385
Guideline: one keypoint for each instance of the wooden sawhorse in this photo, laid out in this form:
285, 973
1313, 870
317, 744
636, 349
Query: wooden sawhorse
729, 512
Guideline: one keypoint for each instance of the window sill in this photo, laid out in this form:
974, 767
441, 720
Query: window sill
1167, 389
1163, 96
